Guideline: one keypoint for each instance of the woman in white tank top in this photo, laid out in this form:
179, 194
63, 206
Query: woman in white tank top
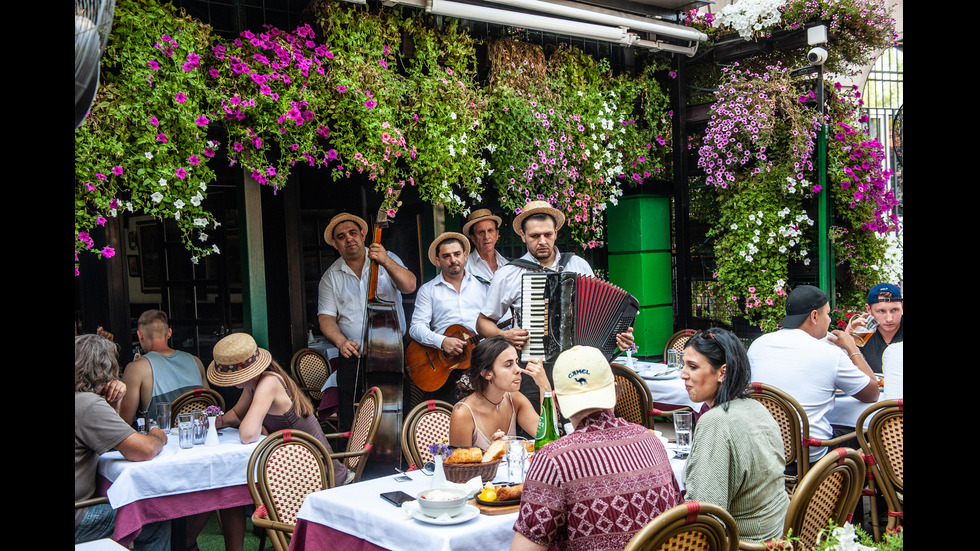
493, 405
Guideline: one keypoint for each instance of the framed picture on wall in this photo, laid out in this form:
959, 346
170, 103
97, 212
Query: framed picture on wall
151, 256
134, 265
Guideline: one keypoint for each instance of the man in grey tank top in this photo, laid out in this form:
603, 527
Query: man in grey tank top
162, 373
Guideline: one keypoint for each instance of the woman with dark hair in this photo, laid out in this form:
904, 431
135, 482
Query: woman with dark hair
736, 459
491, 402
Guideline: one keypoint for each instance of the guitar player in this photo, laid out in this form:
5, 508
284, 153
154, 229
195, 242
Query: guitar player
452, 298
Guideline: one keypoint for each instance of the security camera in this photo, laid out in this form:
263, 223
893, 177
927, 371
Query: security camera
817, 56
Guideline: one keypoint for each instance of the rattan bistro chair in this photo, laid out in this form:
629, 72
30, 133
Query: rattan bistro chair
311, 369
634, 402
284, 468
829, 492
361, 436
794, 427
884, 449
678, 340
691, 526
426, 424
194, 400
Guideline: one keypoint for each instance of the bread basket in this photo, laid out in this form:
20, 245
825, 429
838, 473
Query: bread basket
462, 472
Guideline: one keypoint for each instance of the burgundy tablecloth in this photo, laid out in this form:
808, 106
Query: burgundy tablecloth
310, 536
131, 518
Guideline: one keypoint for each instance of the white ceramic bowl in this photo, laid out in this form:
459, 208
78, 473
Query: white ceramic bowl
438, 501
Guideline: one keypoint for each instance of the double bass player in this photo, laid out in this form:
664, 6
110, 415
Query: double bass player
343, 293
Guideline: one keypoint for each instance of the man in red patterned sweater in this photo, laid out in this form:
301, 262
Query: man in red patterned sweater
599, 485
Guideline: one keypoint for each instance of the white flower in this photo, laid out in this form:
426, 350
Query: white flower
194, 260
216, 223
204, 187
452, 115
734, 226
196, 200
179, 204
201, 222
156, 196
162, 182
148, 155
216, 250
782, 248
177, 215
129, 206
203, 237
748, 258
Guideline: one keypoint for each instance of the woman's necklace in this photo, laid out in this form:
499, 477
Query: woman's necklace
496, 405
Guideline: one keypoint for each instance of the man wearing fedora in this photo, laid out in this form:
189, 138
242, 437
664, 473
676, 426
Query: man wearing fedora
342, 297
886, 306
537, 224
809, 363
483, 227
453, 297
597, 486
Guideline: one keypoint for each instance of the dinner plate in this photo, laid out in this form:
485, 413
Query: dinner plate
659, 374
468, 512
499, 503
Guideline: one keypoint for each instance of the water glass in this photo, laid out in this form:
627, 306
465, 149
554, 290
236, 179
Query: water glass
675, 359
683, 426
516, 453
185, 428
200, 427
163, 416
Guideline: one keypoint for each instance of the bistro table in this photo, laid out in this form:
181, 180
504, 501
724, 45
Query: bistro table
355, 517
668, 390
176, 483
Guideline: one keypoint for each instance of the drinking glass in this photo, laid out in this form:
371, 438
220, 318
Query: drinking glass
683, 426
516, 452
185, 428
200, 427
163, 416
675, 358
862, 333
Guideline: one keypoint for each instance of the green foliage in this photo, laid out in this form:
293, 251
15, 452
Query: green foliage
144, 147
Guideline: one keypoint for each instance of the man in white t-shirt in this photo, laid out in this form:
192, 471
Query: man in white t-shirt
810, 364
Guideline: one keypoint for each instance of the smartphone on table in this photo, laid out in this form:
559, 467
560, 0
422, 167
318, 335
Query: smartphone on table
397, 498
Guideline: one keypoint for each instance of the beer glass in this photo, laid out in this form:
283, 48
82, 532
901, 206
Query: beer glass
862, 333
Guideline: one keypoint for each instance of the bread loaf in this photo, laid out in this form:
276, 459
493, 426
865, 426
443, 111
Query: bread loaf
495, 451
465, 455
507, 493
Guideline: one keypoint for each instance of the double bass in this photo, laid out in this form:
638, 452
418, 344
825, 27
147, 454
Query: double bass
382, 363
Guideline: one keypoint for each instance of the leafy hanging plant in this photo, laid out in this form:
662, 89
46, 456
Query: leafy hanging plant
143, 147
272, 101
447, 109
573, 138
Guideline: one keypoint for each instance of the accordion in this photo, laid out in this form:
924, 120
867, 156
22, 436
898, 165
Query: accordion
563, 309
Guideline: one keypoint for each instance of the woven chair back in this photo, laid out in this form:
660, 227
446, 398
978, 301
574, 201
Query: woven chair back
365, 427
426, 424
829, 491
194, 400
283, 469
678, 340
633, 399
691, 526
311, 369
793, 426
885, 447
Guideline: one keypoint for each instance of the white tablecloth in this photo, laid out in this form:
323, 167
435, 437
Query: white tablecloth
359, 510
665, 391
177, 471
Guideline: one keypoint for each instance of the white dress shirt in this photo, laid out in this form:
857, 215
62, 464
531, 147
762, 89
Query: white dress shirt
505, 290
476, 266
438, 306
344, 295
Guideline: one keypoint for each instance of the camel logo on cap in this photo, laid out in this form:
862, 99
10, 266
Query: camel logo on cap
580, 379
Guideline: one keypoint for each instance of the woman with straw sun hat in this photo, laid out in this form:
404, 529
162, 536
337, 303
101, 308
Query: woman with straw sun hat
270, 400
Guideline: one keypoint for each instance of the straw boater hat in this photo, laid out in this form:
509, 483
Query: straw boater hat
237, 359
583, 380
434, 247
535, 207
479, 215
343, 217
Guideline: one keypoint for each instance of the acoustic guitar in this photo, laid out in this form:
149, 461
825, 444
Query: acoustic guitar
430, 367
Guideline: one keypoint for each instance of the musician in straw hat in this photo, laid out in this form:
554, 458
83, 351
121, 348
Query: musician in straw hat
453, 297
343, 295
483, 227
537, 224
